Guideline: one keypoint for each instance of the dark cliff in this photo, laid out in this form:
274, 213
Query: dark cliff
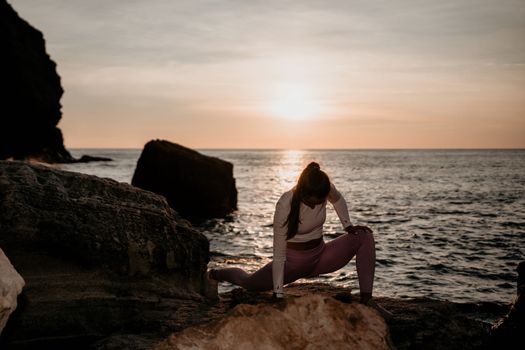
30, 93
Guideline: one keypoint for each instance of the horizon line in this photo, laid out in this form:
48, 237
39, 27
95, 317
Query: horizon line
321, 149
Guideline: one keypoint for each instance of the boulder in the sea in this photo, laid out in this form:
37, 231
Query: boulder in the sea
307, 322
30, 100
197, 186
11, 284
87, 159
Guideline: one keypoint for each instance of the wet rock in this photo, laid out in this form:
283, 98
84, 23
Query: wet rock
310, 321
87, 159
197, 186
98, 257
11, 284
508, 331
30, 100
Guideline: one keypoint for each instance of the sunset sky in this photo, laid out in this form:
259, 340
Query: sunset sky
288, 74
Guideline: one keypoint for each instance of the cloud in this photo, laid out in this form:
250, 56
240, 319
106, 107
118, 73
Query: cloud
200, 32
388, 60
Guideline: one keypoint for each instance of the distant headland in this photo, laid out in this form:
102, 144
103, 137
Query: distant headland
31, 91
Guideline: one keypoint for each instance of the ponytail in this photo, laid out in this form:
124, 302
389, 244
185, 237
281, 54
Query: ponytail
312, 181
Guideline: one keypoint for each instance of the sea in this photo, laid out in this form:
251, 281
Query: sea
448, 224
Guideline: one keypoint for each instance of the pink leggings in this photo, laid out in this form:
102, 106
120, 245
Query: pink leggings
325, 258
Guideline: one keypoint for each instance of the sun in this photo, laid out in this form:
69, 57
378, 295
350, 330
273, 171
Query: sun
294, 102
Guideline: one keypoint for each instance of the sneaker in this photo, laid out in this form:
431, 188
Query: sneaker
387, 315
211, 289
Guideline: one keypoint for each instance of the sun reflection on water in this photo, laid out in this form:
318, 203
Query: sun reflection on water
291, 164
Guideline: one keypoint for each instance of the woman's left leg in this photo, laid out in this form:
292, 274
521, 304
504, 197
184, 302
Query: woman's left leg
339, 251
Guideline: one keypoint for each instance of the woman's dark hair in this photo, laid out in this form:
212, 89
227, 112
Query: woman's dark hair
313, 182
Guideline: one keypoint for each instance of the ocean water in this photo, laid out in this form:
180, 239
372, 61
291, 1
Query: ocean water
448, 224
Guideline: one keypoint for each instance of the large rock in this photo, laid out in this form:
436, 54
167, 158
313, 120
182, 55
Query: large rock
98, 257
197, 186
11, 284
31, 92
307, 322
96, 221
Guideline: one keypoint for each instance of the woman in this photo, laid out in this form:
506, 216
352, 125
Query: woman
298, 247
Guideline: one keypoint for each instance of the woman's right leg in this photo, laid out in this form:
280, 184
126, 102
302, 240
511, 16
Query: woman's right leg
298, 264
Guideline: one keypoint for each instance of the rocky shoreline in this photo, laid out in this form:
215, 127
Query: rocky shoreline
416, 324
110, 266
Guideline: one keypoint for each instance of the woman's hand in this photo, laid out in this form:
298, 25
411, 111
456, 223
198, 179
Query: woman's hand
358, 229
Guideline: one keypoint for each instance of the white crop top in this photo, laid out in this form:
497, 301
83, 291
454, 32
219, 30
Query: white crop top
310, 227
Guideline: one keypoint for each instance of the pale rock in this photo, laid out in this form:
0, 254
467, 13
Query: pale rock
11, 284
307, 322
